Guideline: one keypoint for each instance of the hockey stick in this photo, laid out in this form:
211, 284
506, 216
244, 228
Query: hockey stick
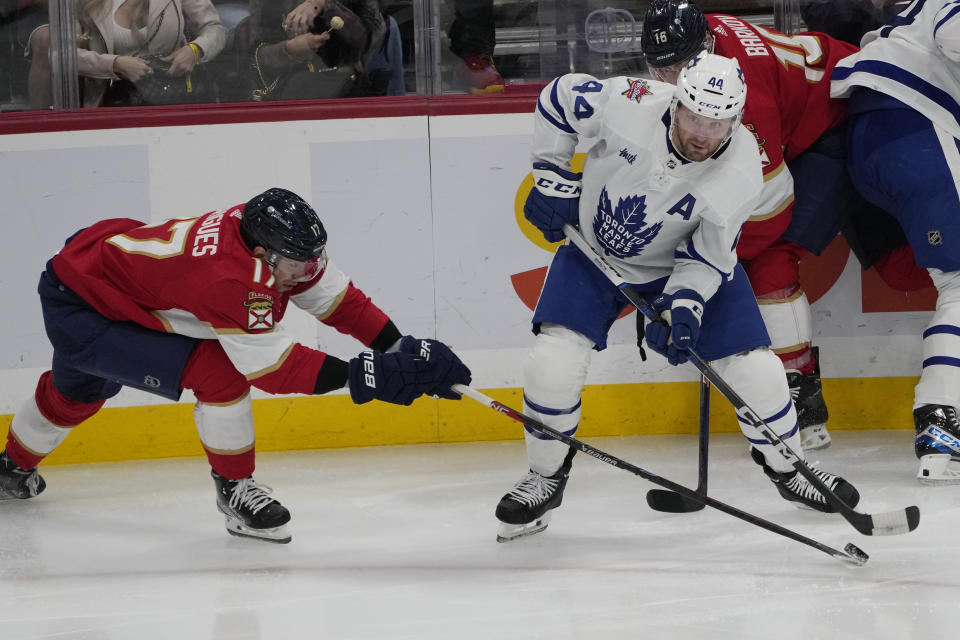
671, 502
851, 553
881, 524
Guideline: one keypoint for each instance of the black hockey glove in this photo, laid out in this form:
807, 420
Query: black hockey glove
554, 200
391, 377
681, 312
448, 365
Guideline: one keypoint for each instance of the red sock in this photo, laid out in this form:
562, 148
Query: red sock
234, 466
800, 360
21, 456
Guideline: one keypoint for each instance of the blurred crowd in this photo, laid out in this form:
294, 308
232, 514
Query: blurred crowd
149, 52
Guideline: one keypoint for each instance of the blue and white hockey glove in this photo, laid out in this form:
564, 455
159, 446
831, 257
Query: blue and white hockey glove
554, 200
399, 378
681, 312
448, 366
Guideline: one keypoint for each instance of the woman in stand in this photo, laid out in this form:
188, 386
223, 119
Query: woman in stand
117, 37
312, 49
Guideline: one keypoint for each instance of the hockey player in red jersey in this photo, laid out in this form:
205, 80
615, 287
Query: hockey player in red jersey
794, 120
196, 304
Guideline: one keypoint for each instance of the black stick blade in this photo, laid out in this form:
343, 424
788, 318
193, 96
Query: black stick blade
671, 502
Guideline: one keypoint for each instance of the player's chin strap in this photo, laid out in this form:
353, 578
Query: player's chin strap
888, 523
851, 553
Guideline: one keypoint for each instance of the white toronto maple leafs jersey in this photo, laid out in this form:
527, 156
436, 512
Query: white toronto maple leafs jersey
915, 59
651, 212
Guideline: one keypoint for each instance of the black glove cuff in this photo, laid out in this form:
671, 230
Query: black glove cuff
387, 337
333, 374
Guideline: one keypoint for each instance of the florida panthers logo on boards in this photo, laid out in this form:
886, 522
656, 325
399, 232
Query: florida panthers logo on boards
623, 232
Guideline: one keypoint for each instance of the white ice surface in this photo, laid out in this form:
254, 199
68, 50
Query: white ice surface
399, 543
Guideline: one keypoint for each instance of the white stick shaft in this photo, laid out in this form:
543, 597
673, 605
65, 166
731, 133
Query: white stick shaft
464, 390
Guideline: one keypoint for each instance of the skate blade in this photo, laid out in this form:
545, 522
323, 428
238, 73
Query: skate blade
278, 535
815, 437
939, 469
510, 532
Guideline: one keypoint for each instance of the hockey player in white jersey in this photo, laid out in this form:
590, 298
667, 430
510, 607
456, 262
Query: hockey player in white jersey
669, 181
904, 156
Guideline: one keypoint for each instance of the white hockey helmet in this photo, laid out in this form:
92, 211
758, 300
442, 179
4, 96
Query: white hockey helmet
712, 86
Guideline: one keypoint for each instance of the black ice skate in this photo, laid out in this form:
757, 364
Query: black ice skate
17, 483
937, 444
525, 510
250, 511
794, 487
807, 393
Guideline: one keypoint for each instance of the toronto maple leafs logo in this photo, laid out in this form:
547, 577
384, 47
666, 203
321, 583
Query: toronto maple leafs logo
623, 232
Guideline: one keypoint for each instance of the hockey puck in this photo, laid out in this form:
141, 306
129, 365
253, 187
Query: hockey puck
857, 555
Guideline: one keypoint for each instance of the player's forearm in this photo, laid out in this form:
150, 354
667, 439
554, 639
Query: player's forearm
356, 315
300, 370
709, 255
552, 146
697, 277
310, 371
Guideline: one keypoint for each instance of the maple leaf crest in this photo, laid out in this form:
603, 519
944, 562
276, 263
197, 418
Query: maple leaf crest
623, 232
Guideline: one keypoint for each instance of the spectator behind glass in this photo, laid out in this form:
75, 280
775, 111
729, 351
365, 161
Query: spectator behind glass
28, 21
472, 39
299, 54
116, 38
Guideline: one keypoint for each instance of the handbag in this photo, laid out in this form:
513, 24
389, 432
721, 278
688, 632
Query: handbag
308, 80
304, 84
158, 87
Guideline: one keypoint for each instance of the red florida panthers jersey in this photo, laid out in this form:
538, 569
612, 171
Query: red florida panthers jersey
196, 277
788, 105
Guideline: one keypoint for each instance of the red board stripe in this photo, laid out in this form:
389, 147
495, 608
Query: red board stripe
203, 114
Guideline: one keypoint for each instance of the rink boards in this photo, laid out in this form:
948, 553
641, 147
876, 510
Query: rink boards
422, 209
